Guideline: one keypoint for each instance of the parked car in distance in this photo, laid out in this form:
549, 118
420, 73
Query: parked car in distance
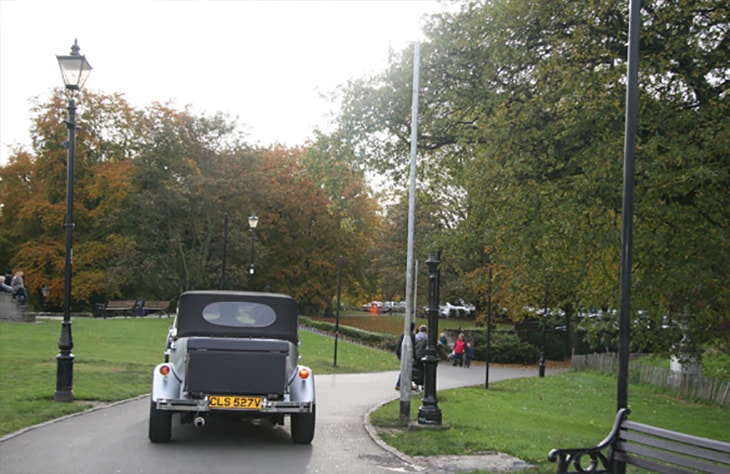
454, 311
393, 307
233, 354
372, 307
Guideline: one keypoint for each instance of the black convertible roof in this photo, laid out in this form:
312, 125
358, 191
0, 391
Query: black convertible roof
190, 320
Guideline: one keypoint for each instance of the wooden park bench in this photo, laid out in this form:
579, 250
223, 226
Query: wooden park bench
112, 308
161, 307
647, 447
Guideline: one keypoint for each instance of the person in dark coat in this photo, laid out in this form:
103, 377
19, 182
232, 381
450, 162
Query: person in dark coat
419, 352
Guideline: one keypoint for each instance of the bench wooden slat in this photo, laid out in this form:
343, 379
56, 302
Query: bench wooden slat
666, 457
649, 465
156, 304
690, 447
120, 305
681, 437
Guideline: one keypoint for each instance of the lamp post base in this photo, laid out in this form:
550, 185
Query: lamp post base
541, 366
429, 414
63, 397
64, 378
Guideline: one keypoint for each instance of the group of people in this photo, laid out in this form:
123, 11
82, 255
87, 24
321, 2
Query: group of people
13, 283
461, 355
463, 352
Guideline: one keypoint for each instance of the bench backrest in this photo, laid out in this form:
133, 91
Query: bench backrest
156, 304
121, 304
667, 451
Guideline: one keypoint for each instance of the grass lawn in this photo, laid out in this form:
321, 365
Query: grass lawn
523, 417
528, 417
114, 359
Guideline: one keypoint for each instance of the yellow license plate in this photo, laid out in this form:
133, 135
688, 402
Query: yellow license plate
235, 402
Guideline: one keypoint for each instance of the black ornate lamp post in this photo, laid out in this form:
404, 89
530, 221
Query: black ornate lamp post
225, 244
489, 329
541, 370
253, 221
429, 413
45, 292
75, 70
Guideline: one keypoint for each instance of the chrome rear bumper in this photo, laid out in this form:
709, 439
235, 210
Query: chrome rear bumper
269, 406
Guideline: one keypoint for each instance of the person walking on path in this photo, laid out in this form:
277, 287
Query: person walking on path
459, 348
443, 346
398, 350
468, 355
419, 350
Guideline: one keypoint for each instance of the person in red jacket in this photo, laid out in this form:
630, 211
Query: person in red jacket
459, 348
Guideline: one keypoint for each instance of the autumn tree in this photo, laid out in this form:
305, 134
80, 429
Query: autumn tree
34, 195
152, 187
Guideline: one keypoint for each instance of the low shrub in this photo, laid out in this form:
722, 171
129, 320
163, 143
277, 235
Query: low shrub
505, 348
385, 342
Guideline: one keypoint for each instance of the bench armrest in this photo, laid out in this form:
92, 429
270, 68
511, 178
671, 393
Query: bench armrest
596, 461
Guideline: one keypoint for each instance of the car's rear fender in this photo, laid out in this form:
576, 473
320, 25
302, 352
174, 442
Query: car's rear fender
165, 382
302, 389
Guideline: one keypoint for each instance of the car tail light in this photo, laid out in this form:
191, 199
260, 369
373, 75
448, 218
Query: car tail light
164, 369
303, 373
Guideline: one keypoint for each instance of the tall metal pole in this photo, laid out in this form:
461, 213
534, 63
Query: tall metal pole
337, 319
622, 395
406, 363
65, 358
429, 413
225, 244
415, 292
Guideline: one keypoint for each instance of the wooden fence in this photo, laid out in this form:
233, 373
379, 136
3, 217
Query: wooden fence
689, 386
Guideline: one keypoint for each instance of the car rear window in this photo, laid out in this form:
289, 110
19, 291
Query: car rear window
239, 314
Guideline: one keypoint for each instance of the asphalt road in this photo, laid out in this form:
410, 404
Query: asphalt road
113, 439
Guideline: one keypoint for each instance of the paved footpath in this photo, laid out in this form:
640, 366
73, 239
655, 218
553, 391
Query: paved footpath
114, 439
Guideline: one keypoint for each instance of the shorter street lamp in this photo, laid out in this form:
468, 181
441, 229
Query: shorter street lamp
253, 221
429, 413
541, 368
45, 292
225, 243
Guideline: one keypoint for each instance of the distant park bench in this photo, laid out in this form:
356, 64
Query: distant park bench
116, 307
647, 447
161, 307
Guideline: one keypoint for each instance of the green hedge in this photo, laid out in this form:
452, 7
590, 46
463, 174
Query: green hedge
385, 342
504, 348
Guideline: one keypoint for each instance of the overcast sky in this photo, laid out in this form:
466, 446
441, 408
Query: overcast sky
265, 62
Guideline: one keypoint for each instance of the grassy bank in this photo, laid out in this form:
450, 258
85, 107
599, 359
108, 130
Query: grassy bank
114, 359
528, 417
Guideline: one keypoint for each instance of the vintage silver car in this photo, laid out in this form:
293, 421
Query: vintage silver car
233, 354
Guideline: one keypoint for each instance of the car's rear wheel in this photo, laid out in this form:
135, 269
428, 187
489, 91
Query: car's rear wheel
160, 428
302, 427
